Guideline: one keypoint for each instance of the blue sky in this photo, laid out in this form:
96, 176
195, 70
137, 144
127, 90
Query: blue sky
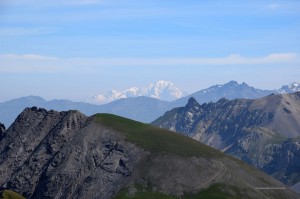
73, 49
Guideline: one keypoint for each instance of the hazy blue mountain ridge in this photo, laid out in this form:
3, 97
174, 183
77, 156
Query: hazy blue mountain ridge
143, 109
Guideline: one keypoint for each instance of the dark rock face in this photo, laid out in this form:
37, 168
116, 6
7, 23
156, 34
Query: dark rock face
2, 130
64, 155
262, 132
284, 161
279, 158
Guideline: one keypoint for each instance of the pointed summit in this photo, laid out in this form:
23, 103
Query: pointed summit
232, 82
192, 102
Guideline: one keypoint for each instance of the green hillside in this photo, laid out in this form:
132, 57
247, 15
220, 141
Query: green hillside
176, 160
215, 191
157, 140
8, 194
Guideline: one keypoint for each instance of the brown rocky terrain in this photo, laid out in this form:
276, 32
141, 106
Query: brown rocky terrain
49, 154
263, 132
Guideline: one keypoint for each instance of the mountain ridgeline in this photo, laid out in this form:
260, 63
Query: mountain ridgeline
163, 90
145, 108
264, 132
50, 154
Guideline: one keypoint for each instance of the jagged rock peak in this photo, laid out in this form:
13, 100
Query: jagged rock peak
42, 110
34, 109
290, 88
232, 82
223, 100
192, 102
2, 128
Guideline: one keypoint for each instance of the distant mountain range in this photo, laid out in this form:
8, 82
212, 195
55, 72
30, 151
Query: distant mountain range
166, 91
230, 90
264, 132
290, 88
163, 90
144, 109
66, 155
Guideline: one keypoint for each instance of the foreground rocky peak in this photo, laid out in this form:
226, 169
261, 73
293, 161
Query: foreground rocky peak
49, 154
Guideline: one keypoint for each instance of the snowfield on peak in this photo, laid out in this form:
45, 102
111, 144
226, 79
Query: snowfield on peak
163, 90
290, 88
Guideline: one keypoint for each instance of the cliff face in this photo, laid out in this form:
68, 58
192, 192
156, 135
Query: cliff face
2, 130
263, 132
66, 155
63, 155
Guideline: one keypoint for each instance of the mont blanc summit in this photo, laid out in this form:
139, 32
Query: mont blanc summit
163, 90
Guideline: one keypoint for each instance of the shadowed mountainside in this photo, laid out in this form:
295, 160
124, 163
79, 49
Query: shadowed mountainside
263, 132
49, 154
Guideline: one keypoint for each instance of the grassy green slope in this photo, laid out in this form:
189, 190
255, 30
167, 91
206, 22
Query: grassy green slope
215, 191
237, 181
157, 140
8, 194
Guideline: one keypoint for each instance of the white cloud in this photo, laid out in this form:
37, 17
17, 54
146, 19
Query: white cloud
26, 31
85, 2
274, 6
39, 3
27, 57
38, 63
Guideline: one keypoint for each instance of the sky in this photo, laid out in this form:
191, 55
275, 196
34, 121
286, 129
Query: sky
74, 49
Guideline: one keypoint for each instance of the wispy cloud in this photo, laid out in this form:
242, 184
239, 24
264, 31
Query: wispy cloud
56, 2
37, 63
273, 6
20, 31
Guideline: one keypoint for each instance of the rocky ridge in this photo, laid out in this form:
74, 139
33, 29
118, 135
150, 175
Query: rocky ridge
290, 88
49, 154
143, 109
2, 129
263, 132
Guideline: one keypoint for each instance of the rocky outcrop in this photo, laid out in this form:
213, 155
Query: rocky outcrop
49, 154
276, 156
262, 132
2, 130
66, 155
284, 161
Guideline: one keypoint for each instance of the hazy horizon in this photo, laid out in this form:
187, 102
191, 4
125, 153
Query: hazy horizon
73, 49
88, 98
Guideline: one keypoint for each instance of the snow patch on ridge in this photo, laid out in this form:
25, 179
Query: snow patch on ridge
163, 90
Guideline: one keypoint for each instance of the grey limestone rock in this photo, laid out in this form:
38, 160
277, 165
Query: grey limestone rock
263, 132
49, 154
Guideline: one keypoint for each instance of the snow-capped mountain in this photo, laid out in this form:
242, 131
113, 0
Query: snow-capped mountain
290, 88
163, 90
229, 90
